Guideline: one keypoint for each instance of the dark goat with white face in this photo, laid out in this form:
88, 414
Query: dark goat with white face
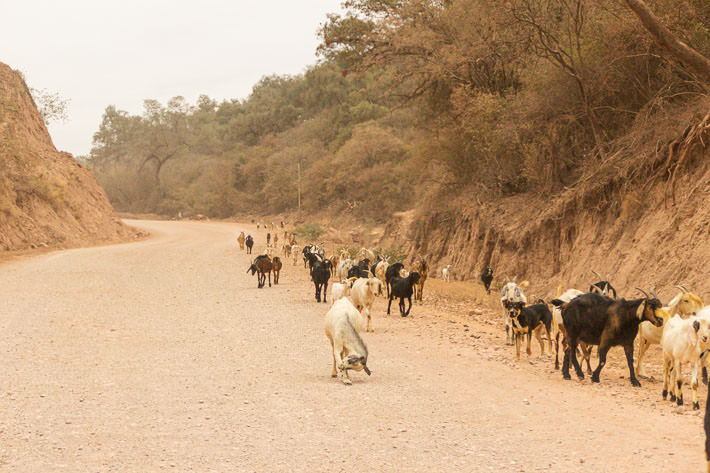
487, 278
512, 292
603, 286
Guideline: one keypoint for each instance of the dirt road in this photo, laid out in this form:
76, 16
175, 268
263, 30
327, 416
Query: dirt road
162, 355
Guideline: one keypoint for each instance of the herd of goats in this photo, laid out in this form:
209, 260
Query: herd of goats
575, 319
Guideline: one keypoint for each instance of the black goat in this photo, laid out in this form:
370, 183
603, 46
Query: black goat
268, 239
320, 273
312, 259
403, 288
360, 270
599, 320
603, 286
250, 243
392, 271
487, 278
526, 320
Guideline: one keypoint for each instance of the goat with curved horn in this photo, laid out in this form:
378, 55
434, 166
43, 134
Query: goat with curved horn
644, 292
598, 275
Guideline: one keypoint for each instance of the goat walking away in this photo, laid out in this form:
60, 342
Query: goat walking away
599, 320
241, 239
261, 265
250, 244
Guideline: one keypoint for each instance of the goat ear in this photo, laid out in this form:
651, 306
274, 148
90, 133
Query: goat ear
696, 325
640, 310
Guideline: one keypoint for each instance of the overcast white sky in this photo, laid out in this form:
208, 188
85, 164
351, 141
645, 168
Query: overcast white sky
98, 53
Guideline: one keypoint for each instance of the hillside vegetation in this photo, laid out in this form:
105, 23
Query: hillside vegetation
47, 199
501, 125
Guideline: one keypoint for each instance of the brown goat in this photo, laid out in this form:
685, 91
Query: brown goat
276, 268
261, 265
421, 267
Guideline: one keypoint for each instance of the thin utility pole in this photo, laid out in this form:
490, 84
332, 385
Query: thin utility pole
299, 187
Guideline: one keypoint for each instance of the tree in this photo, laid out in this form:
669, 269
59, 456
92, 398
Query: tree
164, 134
666, 40
52, 106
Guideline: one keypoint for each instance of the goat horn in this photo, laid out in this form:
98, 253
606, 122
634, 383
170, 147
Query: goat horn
514, 278
681, 288
597, 275
644, 292
684, 289
608, 276
653, 293
507, 278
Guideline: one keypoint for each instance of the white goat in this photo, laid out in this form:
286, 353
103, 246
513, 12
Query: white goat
511, 292
365, 253
558, 327
381, 272
349, 351
684, 304
295, 253
446, 273
363, 296
341, 274
684, 341
339, 290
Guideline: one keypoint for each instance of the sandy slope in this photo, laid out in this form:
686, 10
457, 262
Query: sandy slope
163, 355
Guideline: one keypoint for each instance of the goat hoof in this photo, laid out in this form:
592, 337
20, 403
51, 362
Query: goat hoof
347, 382
680, 401
566, 376
696, 406
665, 394
333, 375
635, 383
672, 398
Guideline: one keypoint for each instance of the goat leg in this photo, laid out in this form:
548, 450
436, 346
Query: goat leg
629, 352
603, 350
565, 363
573, 357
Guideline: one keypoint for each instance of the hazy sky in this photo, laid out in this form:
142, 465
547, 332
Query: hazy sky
98, 53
